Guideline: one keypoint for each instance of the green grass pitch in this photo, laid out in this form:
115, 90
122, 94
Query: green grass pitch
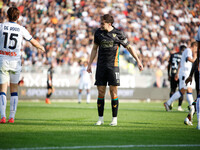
69, 125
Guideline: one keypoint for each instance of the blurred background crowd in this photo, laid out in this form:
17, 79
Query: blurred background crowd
155, 28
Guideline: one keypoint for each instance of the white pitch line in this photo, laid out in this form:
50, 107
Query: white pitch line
105, 146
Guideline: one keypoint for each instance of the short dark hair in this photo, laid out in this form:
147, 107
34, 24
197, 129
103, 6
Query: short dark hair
193, 44
13, 13
182, 48
108, 18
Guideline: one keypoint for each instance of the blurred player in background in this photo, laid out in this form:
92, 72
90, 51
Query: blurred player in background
188, 57
85, 82
189, 79
11, 35
107, 41
50, 87
172, 70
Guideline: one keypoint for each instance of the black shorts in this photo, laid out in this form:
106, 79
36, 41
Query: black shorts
174, 83
108, 75
48, 85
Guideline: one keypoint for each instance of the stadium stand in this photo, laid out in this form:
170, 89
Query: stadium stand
65, 27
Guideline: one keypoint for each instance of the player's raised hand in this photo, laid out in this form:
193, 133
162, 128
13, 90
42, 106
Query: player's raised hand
189, 79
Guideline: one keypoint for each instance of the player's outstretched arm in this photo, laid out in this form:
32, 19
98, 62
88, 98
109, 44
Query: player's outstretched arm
92, 57
133, 53
189, 79
37, 45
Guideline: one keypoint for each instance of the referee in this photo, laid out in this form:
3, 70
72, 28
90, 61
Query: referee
107, 41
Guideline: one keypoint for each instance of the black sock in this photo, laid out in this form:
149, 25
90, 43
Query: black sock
180, 100
49, 95
100, 106
114, 104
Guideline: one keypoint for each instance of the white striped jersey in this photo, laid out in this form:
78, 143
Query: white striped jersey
197, 38
185, 64
11, 35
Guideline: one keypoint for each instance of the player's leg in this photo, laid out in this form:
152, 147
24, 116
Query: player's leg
88, 96
101, 82
114, 104
49, 93
4, 78
13, 101
88, 87
198, 111
180, 100
173, 85
79, 95
3, 102
177, 94
189, 118
14, 79
100, 103
80, 87
113, 82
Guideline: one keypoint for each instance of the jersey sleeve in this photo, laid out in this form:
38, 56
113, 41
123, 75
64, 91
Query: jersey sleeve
170, 59
197, 38
123, 39
96, 41
188, 54
26, 35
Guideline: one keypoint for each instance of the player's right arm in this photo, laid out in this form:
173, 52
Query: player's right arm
92, 57
177, 74
36, 44
169, 68
189, 79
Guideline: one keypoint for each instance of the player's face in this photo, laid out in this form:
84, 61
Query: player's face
104, 25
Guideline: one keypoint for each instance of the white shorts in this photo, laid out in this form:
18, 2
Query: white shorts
182, 82
84, 85
10, 69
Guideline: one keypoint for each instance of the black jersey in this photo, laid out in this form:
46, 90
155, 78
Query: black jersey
109, 43
174, 61
50, 73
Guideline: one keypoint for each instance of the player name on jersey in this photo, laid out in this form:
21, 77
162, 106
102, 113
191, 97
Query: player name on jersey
11, 28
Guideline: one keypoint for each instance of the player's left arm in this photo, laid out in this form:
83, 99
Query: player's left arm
133, 53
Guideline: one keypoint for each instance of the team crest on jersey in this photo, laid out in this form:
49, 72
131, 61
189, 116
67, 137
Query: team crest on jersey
125, 41
114, 35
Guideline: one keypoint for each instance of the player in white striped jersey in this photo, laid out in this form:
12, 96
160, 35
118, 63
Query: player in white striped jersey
11, 35
85, 82
188, 57
189, 79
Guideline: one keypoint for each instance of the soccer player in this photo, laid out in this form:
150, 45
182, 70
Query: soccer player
50, 87
189, 79
188, 57
11, 35
173, 67
85, 82
107, 41
172, 70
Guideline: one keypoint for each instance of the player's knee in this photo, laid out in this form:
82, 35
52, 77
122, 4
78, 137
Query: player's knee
182, 91
189, 90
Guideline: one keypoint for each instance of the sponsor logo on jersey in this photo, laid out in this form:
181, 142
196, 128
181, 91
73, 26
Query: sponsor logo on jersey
8, 53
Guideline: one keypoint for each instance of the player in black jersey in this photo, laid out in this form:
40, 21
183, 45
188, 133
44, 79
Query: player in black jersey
49, 84
172, 70
107, 41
